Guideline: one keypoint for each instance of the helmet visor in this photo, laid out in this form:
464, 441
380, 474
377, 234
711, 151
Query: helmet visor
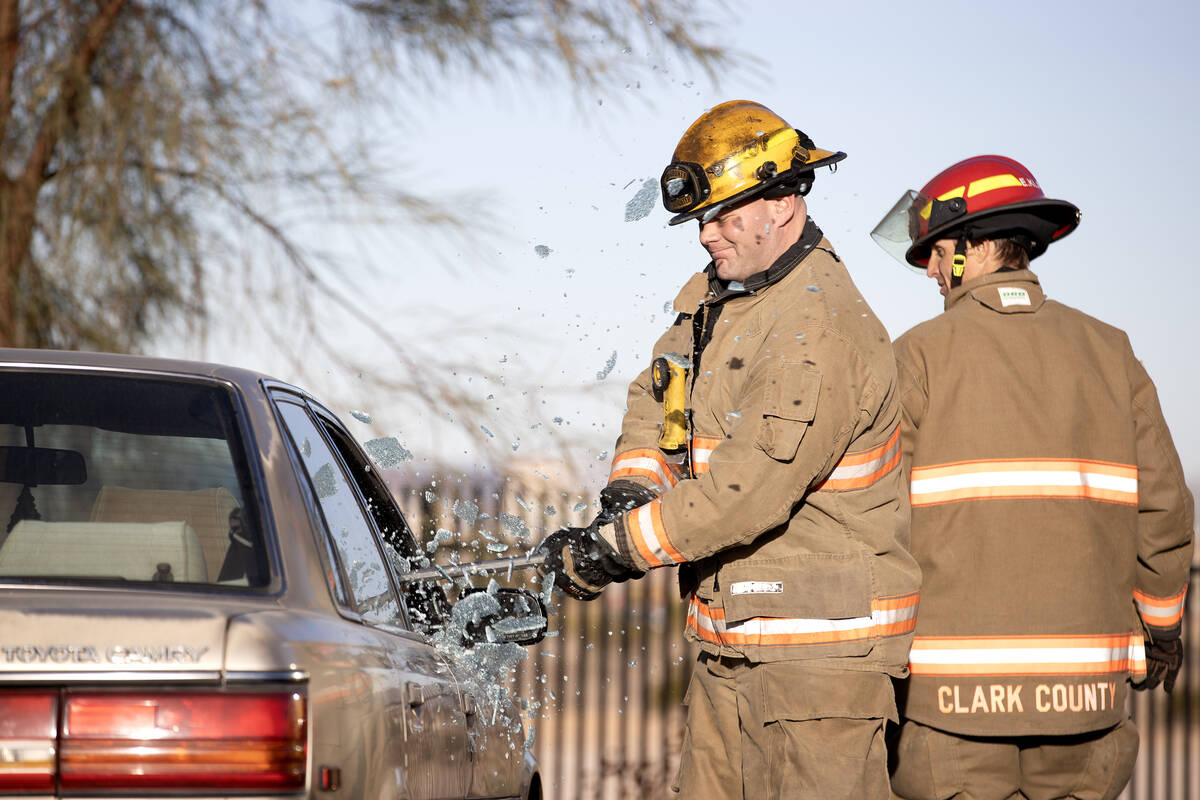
684, 186
901, 226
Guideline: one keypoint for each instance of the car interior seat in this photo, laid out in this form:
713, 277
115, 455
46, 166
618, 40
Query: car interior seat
205, 510
135, 551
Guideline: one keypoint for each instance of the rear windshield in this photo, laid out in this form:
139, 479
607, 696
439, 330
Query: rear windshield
121, 479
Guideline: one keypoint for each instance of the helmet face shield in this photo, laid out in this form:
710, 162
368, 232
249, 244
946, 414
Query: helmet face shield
902, 226
684, 186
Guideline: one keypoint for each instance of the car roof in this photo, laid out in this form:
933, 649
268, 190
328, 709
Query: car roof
41, 359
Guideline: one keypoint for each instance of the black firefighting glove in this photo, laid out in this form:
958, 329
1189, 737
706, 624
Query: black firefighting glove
1163, 660
621, 496
582, 562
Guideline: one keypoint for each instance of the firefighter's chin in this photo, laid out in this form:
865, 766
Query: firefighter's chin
719, 257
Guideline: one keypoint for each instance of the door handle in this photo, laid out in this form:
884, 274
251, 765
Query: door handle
414, 696
414, 693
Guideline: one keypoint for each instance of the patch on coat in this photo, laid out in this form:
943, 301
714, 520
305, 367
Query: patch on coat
1013, 296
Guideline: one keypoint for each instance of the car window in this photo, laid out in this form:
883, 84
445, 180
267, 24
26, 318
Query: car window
346, 523
426, 603
126, 479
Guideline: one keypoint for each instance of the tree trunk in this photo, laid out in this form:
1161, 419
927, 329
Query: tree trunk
18, 197
18, 201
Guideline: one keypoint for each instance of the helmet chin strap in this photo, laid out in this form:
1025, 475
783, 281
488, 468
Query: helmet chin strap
960, 261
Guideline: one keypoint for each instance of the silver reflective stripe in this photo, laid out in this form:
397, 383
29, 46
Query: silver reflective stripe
756, 587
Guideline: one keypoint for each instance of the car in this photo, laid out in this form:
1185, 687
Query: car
203, 594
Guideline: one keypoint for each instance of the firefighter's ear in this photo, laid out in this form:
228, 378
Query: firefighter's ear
783, 209
982, 251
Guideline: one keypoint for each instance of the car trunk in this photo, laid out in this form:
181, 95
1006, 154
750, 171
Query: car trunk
117, 633
124, 692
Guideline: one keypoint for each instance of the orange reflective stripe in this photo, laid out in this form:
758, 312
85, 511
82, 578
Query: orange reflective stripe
643, 463
964, 656
891, 616
864, 467
702, 448
649, 535
1016, 478
896, 615
1161, 612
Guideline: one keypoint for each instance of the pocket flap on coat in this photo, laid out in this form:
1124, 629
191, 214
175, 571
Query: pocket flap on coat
806, 586
790, 405
794, 691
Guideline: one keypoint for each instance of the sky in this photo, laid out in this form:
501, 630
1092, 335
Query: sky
1098, 100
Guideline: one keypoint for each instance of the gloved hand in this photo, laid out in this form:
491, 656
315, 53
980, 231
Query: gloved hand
1163, 660
621, 496
583, 563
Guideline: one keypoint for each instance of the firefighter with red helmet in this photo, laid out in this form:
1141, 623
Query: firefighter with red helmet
759, 454
1049, 511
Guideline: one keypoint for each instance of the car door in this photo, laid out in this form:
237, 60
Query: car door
493, 745
414, 703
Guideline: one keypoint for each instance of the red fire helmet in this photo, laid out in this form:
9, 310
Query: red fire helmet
980, 198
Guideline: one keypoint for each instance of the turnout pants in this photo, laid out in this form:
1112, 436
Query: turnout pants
928, 764
780, 731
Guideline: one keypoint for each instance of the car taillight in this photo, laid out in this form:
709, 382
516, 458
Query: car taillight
198, 740
28, 727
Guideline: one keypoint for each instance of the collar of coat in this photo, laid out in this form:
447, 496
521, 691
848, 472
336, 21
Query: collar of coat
1010, 291
809, 238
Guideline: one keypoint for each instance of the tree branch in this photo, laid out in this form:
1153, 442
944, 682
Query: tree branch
10, 41
20, 196
49, 132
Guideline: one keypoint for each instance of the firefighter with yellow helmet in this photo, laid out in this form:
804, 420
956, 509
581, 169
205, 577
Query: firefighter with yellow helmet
1049, 510
760, 455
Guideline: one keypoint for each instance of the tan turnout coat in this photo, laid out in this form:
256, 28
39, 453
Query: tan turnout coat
787, 512
1050, 514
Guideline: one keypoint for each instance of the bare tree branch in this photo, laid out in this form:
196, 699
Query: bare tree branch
85, 52
10, 43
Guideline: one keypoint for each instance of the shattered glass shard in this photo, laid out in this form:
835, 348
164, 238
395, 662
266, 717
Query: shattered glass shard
514, 524
608, 366
325, 482
642, 203
387, 452
466, 510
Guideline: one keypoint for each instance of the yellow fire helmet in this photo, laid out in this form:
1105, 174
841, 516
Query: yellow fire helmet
734, 152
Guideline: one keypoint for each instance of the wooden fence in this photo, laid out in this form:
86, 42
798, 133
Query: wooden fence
1168, 765
604, 690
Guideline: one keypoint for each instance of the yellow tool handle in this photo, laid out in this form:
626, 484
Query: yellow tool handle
671, 380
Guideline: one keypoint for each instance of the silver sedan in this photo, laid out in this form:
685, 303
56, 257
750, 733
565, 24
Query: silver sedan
202, 594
